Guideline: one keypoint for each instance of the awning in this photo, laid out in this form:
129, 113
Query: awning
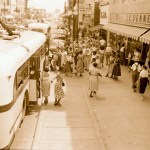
95, 28
145, 38
129, 31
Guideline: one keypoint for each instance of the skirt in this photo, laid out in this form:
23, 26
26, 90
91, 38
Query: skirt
143, 85
116, 70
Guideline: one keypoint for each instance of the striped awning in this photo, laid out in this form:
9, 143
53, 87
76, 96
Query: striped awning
95, 28
124, 30
145, 38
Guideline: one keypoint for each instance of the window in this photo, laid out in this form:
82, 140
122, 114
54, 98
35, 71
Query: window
22, 74
38, 30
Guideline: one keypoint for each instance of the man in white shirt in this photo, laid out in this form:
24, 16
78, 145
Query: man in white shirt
136, 68
102, 42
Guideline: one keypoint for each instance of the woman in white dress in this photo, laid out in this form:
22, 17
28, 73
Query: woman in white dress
94, 72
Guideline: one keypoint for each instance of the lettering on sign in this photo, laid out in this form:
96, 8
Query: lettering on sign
138, 18
103, 14
142, 19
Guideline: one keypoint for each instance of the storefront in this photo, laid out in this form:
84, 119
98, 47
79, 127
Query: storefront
129, 26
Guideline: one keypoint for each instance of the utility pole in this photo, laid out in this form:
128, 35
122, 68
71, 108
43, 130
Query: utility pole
10, 6
26, 5
4, 8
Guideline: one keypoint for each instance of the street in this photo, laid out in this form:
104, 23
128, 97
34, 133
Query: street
114, 119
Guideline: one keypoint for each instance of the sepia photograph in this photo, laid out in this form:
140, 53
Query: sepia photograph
74, 74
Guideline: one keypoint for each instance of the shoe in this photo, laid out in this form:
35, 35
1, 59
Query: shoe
94, 92
106, 75
59, 104
91, 94
45, 101
116, 78
141, 98
81, 75
55, 103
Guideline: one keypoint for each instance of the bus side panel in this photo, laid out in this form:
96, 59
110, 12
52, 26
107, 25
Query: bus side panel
5, 126
11, 120
17, 109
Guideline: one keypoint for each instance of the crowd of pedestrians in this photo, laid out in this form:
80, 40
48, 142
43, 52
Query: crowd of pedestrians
88, 55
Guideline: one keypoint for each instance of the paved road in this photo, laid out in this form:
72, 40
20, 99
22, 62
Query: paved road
114, 119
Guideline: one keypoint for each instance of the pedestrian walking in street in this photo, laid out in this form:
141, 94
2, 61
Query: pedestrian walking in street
116, 69
101, 55
68, 68
58, 89
108, 53
135, 68
86, 57
80, 65
143, 81
45, 85
94, 74
122, 54
110, 65
46, 63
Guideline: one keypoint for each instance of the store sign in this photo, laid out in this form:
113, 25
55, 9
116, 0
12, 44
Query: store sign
85, 10
142, 19
103, 14
138, 18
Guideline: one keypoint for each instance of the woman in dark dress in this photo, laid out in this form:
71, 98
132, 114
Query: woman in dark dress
117, 69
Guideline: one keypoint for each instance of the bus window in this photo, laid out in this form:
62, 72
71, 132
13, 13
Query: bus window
22, 74
38, 30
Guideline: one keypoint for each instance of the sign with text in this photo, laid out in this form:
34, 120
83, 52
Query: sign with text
137, 19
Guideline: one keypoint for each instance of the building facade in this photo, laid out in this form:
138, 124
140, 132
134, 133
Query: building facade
129, 22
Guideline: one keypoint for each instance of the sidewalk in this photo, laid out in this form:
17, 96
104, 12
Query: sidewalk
69, 127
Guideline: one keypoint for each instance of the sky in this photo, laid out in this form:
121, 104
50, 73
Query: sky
49, 5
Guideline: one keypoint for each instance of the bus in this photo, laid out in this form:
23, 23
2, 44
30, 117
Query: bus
43, 28
20, 62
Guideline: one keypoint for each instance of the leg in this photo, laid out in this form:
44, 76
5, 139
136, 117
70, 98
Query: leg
58, 102
142, 96
91, 94
55, 103
46, 100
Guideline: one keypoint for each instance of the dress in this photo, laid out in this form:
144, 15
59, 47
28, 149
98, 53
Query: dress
45, 84
80, 66
58, 89
117, 69
93, 78
111, 64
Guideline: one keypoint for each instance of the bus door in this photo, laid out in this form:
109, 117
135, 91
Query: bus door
35, 91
